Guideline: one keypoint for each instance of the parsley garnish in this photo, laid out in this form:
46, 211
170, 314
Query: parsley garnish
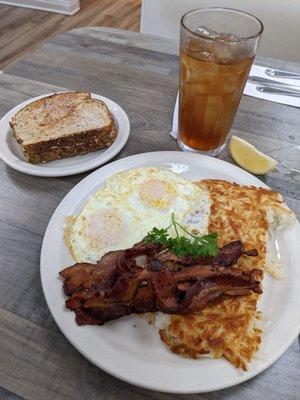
197, 246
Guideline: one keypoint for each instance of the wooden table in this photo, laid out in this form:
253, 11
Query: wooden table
141, 74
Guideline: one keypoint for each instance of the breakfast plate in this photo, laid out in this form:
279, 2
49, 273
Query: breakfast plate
11, 153
129, 348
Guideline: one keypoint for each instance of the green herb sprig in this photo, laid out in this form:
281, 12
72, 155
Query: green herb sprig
197, 246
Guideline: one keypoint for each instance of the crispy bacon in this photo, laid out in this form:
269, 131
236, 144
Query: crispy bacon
165, 290
97, 311
199, 272
206, 290
201, 285
228, 256
116, 286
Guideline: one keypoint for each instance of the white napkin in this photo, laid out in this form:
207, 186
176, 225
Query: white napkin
250, 90
174, 131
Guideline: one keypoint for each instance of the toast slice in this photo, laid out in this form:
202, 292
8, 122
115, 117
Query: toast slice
63, 125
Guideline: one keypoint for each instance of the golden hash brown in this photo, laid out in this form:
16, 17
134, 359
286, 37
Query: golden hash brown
226, 329
229, 327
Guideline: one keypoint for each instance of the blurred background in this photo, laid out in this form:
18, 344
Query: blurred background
23, 29
24, 24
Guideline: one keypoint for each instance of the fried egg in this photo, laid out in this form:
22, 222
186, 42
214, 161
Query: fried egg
130, 205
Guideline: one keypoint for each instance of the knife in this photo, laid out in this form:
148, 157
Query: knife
275, 73
273, 84
281, 92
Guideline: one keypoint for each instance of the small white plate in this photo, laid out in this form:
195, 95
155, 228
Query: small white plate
11, 153
129, 348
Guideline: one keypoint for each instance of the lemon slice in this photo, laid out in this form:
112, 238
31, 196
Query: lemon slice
248, 157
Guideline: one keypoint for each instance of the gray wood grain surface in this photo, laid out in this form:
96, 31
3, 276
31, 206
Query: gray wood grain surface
140, 73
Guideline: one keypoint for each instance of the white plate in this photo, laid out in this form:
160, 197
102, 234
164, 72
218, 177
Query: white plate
11, 153
136, 354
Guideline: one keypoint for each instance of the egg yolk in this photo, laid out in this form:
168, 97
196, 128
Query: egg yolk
105, 227
157, 193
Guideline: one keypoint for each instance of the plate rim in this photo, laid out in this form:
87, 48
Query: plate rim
38, 170
118, 374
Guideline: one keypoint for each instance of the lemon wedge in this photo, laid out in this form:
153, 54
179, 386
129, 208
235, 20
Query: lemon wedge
248, 157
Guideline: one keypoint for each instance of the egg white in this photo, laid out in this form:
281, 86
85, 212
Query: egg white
130, 205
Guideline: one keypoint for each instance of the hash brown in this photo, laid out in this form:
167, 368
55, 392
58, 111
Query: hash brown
231, 328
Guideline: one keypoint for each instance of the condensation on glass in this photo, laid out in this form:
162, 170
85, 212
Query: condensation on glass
217, 49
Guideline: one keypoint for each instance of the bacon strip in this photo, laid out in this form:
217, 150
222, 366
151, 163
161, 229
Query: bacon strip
116, 286
227, 257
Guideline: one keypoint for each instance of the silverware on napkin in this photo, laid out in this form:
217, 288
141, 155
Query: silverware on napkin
275, 73
258, 80
273, 90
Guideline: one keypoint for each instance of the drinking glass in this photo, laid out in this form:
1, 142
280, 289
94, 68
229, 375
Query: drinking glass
217, 49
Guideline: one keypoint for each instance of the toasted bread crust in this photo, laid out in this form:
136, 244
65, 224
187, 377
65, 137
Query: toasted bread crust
70, 146
53, 127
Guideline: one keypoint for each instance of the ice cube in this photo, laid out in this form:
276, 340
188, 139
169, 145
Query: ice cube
227, 37
230, 52
205, 56
223, 48
207, 32
211, 34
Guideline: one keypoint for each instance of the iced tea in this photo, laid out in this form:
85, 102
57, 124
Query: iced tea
214, 67
209, 97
